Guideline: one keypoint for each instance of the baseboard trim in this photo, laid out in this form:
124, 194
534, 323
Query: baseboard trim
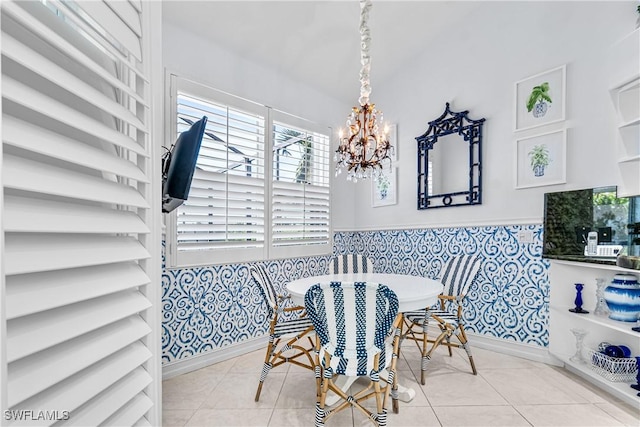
193, 363
512, 348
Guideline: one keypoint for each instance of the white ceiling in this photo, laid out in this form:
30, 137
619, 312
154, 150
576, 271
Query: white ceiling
318, 42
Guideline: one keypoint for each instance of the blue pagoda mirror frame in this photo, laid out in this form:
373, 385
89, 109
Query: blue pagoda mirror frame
470, 131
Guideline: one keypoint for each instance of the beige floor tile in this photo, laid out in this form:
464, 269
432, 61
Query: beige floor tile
230, 418
188, 391
410, 416
487, 359
440, 363
238, 391
252, 363
298, 391
176, 417
575, 385
530, 386
626, 414
456, 389
583, 415
283, 417
480, 416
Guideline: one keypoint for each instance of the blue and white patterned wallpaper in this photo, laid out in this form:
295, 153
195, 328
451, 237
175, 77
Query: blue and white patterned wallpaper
208, 308
510, 297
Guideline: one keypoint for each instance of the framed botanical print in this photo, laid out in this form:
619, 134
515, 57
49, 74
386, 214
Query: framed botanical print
540, 99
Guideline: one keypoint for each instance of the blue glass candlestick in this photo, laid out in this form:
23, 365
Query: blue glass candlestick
578, 301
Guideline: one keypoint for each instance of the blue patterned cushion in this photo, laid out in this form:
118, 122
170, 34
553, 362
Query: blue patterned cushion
352, 321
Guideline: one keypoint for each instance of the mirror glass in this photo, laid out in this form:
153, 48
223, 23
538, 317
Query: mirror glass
447, 176
449, 161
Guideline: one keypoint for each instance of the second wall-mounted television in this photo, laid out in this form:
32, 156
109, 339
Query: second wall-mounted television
573, 218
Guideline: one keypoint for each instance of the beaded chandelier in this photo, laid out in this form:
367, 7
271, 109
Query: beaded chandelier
366, 144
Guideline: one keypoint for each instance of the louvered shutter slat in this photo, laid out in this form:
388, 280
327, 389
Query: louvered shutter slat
25, 253
91, 381
58, 42
38, 292
110, 21
129, 15
36, 373
34, 138
36, 101
137, 4
111, 400
28, 175
24, 214
32, 60
130, 413
30, 334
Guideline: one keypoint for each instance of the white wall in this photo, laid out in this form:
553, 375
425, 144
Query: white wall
474, 66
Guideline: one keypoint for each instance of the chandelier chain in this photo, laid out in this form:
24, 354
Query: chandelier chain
365, 58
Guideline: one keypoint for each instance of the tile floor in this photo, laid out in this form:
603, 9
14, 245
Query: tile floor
508, 391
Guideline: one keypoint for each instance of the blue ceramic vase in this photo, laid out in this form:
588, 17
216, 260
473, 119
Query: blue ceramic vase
623, 298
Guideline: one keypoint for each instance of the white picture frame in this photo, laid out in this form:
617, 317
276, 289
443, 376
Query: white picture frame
393, 140
541, 159
536, 91
384, 188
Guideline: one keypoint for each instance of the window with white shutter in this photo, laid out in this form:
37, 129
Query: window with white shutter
261, 185
300, 188
223, 219
81, 252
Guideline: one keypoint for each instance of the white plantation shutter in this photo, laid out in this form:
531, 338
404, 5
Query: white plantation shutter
80, 215
261, 185
300, 193
223, 219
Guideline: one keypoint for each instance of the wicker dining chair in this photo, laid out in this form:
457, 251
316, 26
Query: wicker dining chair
350, 263
352, 323
457, 276
291, 337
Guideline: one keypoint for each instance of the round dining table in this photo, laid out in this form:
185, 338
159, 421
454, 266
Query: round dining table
413, 292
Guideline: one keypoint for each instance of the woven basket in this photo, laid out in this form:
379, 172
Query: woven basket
617, 369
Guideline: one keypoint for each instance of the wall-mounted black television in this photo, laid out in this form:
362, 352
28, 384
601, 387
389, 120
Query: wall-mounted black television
179, 164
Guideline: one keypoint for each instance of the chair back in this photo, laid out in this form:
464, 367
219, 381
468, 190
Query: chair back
458, 274
352, 321
351, 263
260, 276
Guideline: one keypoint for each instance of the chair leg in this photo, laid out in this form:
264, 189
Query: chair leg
465, 344
319, 422
266, 367
449, 346
427, 358
263, 375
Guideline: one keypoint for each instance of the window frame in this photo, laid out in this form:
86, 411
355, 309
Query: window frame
221, 255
